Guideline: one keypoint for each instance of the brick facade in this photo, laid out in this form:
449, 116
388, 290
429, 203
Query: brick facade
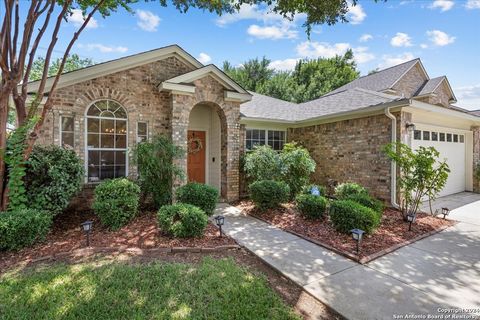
411, 82
476, 157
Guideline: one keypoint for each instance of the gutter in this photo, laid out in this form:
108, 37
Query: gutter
393, 164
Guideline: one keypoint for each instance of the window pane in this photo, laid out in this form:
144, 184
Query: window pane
102, 105
434, 136
93, 140
249, 134
426, 135
262, 135
93, 158
119, 171
120, 141
93, 173
107, 172
462, 138
449, 137
249, 145
107, 158
67, 123
455, 138
67, 139
255, 134
442, 136
107, 141
417, 135
93, 111
141, 129
120, 113
108, 126
93, 125
120, 157
121, 126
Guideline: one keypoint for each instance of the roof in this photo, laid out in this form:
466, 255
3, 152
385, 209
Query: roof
264, 107
117, 65
475, 112
430, 86
381, 80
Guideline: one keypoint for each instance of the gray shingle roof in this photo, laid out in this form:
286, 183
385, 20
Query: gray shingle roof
263, 107
430, 86
475, 113
381, 80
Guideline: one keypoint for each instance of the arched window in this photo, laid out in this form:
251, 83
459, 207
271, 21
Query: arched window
106, 141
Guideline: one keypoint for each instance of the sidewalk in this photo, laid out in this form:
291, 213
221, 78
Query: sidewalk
408, 281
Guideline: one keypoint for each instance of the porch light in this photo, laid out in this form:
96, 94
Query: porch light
411, 219
219, 221
357, 235
445, 212
87, 228
410, 126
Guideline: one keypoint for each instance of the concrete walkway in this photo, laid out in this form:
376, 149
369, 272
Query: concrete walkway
442, 271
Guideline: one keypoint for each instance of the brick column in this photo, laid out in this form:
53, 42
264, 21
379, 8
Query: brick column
476, 157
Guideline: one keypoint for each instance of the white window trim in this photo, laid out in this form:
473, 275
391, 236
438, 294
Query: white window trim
136, 133
61, 128
86, 117
266, 135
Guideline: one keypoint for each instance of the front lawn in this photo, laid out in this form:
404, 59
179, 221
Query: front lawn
212, 289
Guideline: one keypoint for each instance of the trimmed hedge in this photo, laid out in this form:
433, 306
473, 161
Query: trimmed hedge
310, 206
201, 195
344, 190
369, 202
182, 220
308, 189
22, 228
347, 215
116, 202
268, 194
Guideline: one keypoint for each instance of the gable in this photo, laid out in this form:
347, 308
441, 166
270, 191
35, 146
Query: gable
411, 82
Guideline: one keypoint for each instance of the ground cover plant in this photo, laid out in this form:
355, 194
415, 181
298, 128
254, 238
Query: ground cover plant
222, 290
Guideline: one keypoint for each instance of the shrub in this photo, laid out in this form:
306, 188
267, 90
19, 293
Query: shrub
268, 193
116, 202
308, 189
347, 215
22, 228
262, 163
53, 176
157, 169
182, 220
310, 206
201, 195
369, 202
344, 190
297, 165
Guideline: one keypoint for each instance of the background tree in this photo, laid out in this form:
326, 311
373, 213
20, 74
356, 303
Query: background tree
309, 80
43, 19
73, 62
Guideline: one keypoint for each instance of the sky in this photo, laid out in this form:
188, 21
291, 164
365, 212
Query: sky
443, 33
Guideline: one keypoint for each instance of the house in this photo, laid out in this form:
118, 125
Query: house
104, 110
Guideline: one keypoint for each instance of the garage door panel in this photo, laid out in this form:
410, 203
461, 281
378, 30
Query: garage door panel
452, 149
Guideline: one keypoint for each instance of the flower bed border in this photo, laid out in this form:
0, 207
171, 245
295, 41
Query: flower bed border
354, 257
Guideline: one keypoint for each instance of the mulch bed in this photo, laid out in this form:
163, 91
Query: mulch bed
392, 232
142, 232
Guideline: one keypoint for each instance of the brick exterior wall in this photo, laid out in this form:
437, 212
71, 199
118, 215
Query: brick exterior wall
441, 98
476, 157
136, 90
351, 151
411, 82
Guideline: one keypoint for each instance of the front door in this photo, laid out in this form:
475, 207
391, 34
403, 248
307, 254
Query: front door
196, 156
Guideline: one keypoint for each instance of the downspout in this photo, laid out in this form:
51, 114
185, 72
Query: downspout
393, 164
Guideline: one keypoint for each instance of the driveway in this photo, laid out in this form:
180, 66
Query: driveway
425, 278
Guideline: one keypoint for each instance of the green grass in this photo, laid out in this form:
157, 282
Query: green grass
213, 289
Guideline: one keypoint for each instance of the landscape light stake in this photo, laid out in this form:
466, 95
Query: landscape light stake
357, 235
220, 220
87, 228
445, 212
410, 219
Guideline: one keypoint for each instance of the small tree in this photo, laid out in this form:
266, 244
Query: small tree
421, 174
297, 166
262, 163
156, 168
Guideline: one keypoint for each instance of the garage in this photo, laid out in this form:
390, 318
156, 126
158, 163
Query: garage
451, 143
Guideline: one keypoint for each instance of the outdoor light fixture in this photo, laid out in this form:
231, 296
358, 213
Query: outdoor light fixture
87, 228
357, 235
219, 220
410, 126
410, 218
445, 212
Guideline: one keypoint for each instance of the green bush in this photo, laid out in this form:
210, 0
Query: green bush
268, 193
347, 215
116, 202
182, 220
22, 228
157, 169
297, 166
310, 206
53, 176
201, 195
369, 202
308, 189
262, 163
344, 190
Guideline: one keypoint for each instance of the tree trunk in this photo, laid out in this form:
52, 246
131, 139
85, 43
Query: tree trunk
4, 96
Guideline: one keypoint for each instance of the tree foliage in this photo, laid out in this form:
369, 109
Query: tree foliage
73, 62
422, 174
309, 80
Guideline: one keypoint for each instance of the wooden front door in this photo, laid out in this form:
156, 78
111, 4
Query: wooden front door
196, 156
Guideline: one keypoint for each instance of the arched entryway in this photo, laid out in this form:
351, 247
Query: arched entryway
207, 146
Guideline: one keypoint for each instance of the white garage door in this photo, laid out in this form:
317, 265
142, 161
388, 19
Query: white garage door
451, 145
